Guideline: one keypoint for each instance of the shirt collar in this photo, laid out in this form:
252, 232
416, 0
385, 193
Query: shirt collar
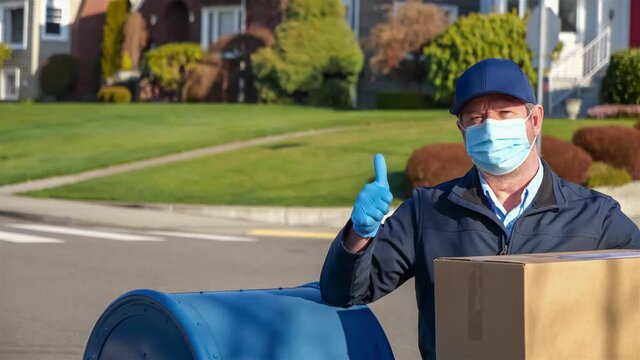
528, 194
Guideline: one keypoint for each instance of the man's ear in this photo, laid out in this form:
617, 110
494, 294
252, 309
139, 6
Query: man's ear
462, 129
536, 119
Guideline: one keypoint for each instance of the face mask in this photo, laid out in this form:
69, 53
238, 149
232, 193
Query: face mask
498, 146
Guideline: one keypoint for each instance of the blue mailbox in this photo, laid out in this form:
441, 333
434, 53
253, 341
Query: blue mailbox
245, 324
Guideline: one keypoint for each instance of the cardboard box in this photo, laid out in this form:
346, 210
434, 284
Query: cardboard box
579, 305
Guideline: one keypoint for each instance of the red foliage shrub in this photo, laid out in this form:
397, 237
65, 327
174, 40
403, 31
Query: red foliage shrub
615, 145
637, 125
566, 159
436, 163
613, 110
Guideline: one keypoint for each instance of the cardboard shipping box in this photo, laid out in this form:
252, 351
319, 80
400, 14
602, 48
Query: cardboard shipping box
579, 305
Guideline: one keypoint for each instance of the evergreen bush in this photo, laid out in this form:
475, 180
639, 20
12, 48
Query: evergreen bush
603, 174
59, 75
621, 82
314, 48
473, 38
5, 53
113, 37
114, 94
169, 64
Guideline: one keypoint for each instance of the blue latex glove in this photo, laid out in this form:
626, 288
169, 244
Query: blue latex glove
373, 202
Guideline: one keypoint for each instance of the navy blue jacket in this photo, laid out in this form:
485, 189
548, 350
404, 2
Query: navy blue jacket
455, 219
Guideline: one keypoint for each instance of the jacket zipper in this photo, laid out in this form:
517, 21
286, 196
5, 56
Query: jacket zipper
507, 240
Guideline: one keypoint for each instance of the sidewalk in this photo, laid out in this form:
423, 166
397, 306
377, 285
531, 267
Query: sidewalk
228, 219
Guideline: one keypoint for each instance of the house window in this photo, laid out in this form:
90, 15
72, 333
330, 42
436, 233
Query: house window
55, 20
568, 15
352, 8
218, 21
9, 83
13, 25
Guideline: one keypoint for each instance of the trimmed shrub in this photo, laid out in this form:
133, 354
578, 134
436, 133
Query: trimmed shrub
58, 76
621, 82
5, 53
613, 110
169, 64
114, 94
603, 174
471, 39
616, 145
436, 163
201, 78
403, 101
566, 159
315, 45
113, 37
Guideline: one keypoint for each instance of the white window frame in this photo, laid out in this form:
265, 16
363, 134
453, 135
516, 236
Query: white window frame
215, 10
3, 94
25, 23
63, 5
352, 14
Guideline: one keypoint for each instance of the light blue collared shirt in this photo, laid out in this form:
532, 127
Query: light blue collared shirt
529, 193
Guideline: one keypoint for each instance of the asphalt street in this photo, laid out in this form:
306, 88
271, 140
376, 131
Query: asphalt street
56, 280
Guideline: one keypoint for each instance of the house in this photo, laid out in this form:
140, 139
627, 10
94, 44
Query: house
34, 30
590, 31
201, 21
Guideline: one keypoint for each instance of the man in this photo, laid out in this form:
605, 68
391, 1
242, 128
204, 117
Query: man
510, 202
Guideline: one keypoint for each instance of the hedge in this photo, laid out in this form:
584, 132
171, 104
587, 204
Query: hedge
114, 94
616, 145
59, 75
566, 159
436, 163
314, 48
404, 100
621, 82
473, 38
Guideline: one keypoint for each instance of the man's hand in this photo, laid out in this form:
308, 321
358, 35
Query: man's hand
373, 202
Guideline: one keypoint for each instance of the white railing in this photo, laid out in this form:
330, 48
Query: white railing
578, 68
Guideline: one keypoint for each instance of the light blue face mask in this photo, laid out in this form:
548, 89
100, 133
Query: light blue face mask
498, 146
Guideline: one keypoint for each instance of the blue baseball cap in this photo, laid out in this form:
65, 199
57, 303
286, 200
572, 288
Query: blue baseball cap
492, 76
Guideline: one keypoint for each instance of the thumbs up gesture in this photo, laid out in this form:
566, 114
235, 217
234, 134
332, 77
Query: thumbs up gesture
373, 202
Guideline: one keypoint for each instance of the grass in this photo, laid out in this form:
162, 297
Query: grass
42, 140
325, 170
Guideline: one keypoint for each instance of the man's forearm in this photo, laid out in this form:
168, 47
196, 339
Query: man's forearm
355, 243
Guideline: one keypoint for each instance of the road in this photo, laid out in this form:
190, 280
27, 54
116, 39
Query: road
56, 280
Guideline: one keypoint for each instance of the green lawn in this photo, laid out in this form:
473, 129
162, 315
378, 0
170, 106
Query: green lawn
42, 140
325, 170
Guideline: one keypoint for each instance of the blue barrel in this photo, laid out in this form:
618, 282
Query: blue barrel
245, 324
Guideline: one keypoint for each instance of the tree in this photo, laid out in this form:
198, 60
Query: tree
113, 37
471, 39
5, 53
397, 43
314, 48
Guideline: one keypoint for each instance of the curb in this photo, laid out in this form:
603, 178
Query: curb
627, 195
276, 215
